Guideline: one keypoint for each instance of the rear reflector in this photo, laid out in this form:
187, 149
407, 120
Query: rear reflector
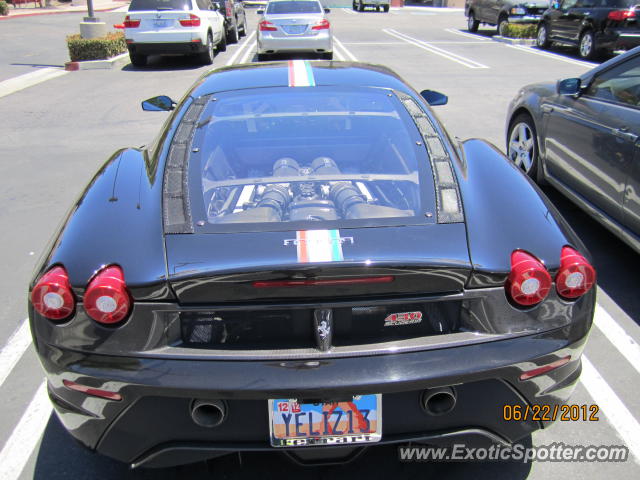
529, 281
545, 368
327, 282
107, 299
131, 22
96, 392
52, 296
576, 276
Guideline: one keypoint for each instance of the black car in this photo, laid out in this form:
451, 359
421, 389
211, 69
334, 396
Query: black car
580, 135
235, 19
502, 12
303, 258
594, 26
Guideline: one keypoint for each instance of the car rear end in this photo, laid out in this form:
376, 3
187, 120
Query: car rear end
527, 12
294, 26
320, 292
621, 28
164, 27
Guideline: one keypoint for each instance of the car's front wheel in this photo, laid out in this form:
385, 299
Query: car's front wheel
385, 8
243, 32
472, 23
503, 23
587, 45
361, 7
522, 145
209, 54
542, 36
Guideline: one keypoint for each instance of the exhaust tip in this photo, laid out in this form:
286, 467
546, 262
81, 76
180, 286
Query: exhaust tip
208, 413
439, 401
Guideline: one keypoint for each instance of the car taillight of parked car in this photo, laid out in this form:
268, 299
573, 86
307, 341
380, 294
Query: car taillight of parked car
131, 22
529, 281
621, 15
321, 25
229, 11
265, 26
192, 21
107, 299
576, 276
52, 296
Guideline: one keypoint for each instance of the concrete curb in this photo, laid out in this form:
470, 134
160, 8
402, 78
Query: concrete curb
108, 64
515, 41
57, 12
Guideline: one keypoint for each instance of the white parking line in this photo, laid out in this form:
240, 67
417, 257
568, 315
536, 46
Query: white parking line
372, 43
626, 345
338, 55
468, 35
249, 52
435, 50
351, 56
25, 436
241, 47
350, 11
616, 412
17, 344
30, 79
553, 56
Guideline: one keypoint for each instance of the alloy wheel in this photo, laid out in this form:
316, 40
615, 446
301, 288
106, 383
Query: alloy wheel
522, 145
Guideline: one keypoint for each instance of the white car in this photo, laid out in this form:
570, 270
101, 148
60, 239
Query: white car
377, 4
169, 27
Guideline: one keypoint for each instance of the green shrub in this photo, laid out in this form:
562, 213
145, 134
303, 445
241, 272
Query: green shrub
96, 48
4, 8
520, 30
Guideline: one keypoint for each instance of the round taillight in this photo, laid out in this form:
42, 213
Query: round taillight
529, 281
52, 296
576, 276
107, 299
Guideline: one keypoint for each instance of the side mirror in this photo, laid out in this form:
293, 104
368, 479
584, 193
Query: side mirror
434, 98
327, 10
161, 103
260, 12
569, 86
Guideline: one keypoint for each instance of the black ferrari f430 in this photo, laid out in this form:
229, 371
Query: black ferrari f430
303, 260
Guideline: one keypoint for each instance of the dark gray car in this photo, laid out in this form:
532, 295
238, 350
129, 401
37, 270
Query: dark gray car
581, 135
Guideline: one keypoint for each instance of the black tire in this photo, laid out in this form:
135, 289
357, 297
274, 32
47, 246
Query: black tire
542, 36
209, 54
587, 48
138, 60
522, 146
472, 23
243, 32
385, 8
222, 44
361, 7
503, 22
232, 35
263, 57
355, 6
327, 55
377, 8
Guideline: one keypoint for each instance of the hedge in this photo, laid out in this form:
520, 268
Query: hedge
4, 8
96, 48
520, 30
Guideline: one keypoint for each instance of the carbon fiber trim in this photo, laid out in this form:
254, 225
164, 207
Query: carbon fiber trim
448, 203
175, 192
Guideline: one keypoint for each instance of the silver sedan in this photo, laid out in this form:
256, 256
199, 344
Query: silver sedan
289, 26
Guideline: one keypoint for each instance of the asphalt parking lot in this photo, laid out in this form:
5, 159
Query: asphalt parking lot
57, 132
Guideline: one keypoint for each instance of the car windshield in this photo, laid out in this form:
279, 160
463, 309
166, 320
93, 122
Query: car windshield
293, 7
309, 155
141, 5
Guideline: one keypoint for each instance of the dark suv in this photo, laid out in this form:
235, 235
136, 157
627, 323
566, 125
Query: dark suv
502, 12
235, 20
594, 26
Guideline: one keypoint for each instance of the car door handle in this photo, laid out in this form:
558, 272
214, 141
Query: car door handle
547, 108
625, 134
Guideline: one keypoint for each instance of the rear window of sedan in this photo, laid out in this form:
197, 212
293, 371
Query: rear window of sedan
309, 157
276, 8
144, 5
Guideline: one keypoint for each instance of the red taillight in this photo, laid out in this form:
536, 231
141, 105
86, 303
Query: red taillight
192, 21
545, 368
322, 282
52, 296
576, 276
620, 15
265, 26
529, 281
107, 299
131, 23
96, 392
229, 11
321, 25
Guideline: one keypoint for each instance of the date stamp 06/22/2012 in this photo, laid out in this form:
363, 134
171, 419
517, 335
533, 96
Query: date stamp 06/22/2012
551, 413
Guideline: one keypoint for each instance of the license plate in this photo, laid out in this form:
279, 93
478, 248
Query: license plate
294, 424
161, 23
294, 29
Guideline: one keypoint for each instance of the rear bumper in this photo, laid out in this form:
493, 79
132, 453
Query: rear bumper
524, 18
485, 378
184, 48
318, 43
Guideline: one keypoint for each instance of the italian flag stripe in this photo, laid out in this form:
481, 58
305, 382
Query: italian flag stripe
301, 74
319, 246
